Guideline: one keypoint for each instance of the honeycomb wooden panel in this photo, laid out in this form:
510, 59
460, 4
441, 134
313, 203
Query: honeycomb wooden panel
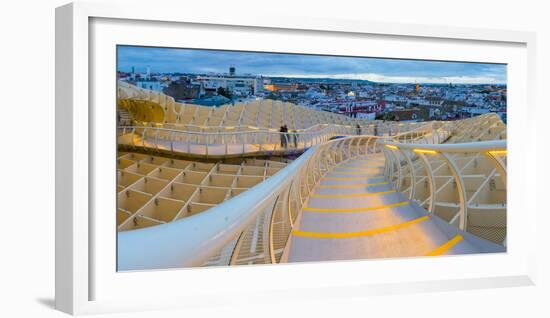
210, 195
237, 191
177, 164
125, 178
195, 208
124, 163
219, 111
220, 180
132, 201
228, 169
271, 171
179, 191
252, 170
162, 209
200, 166
141, 168
154, 190
149, 185
192, 177
164, 173
140, 221
184, 119
247, 181
214, 121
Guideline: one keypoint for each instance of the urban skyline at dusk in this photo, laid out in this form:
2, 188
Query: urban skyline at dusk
171, 60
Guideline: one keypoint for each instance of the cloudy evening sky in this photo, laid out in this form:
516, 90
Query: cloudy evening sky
169, 60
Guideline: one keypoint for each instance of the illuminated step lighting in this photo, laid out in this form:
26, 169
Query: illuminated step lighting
445, 247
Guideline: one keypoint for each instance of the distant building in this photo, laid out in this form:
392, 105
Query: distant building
182, 89
474, 111
238, 86
258, 85
275, 87
412, 114
150, 84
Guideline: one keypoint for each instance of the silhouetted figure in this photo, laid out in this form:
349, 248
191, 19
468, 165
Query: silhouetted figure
295, 138
358, 129
284, 136
376, 129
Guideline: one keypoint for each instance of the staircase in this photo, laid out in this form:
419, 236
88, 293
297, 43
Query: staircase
353, 213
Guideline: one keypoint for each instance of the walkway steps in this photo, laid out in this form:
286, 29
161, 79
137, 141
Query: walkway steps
360, 216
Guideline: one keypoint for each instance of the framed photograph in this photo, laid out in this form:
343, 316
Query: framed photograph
207, 158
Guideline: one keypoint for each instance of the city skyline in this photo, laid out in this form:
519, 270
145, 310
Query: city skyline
199, 61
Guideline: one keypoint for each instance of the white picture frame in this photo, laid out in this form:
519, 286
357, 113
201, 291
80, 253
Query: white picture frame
76, 250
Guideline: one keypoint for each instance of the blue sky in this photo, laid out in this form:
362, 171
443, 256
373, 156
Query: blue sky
296, 65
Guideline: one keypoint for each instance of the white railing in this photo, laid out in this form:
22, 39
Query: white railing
226, 143
375, 127
463, 183
254, 226
251, 227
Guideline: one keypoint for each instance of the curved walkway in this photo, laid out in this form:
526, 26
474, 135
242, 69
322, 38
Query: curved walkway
353, 213
214, 150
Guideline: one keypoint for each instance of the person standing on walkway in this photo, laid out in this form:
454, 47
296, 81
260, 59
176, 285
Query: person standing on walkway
282, 135
283, 132
358, 129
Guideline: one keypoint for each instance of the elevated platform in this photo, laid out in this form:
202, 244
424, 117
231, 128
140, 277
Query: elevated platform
436, 190
354, 213
229, 145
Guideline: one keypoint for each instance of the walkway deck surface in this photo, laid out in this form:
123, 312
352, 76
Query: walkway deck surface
213, 149
353, 213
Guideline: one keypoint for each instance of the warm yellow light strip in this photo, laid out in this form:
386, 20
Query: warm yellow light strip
392, 147
424, 151
365, 209
361, 233
353, 195
445, 247
498, 152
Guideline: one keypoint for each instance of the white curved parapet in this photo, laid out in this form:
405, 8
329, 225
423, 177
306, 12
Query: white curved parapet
254, 227
193, 240
463, 183
269, 210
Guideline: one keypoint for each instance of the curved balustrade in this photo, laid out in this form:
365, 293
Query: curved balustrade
465, 183
254, 226
237, 143
375, 127
255, 232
